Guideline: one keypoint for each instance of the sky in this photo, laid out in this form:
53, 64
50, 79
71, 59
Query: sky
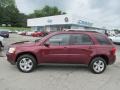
104, 13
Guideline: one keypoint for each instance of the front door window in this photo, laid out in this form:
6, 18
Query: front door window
59, 40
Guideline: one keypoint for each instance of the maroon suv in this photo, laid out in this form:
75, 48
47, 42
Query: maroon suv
72, 47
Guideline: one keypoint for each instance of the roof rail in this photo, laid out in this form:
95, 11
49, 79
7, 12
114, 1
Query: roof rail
73, 30
80, 30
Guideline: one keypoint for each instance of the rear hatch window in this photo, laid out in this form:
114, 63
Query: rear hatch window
102, 40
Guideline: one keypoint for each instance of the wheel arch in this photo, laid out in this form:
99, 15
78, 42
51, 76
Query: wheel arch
28, 53
102, 56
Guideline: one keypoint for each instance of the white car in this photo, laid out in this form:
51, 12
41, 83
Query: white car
21, 32
115, 39
29, 33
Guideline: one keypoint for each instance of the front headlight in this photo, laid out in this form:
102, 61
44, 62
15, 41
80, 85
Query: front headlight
11, 50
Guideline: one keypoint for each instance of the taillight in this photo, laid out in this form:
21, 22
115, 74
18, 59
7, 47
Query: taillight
113, 51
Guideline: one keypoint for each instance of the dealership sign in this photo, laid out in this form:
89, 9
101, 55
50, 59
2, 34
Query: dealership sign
66, 19
49, 21
84, 23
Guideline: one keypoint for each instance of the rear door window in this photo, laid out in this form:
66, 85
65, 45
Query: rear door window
80, 39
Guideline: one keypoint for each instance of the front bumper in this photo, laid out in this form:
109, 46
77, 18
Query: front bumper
11, 58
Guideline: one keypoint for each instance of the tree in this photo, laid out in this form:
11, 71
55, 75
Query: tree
46, 11
5, 3
10, 14
1, 10
22, 20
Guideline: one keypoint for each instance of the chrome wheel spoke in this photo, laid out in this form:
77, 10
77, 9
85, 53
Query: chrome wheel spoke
25, 67
22, 64
101, 66
96, 67
96, 63
29, 61
23, 60
99, 69
29, 65
100, 62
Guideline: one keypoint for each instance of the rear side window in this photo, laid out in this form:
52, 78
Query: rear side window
102, 40
80, 39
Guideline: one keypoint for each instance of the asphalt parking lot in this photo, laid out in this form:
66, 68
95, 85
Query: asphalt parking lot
56, 77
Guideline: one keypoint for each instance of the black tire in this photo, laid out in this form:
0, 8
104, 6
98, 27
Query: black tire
0, 49
1, 46
95, 67
111, 40
7, 36
33, 63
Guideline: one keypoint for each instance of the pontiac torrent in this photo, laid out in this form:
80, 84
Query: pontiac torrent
69, 47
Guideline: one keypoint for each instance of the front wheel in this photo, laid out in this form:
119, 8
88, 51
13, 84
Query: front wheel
97, 65
26, 63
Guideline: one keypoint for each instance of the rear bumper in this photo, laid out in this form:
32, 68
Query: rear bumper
117, 43
112, 59
5, 36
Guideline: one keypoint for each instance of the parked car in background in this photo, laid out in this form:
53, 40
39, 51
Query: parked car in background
73, 47
115, 39
21, 33
12, 31
4, 34
37, 34
29, 33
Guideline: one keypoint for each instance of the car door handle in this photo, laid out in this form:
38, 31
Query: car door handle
90, 47
65, 47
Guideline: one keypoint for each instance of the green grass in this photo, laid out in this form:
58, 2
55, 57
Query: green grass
15, 28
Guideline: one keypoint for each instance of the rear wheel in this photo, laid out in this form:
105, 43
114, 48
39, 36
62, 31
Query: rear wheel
26, 63
97, 65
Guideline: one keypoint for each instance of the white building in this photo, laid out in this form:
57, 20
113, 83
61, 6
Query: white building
60, 22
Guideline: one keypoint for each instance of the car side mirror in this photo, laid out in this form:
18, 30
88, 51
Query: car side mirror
46, 44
